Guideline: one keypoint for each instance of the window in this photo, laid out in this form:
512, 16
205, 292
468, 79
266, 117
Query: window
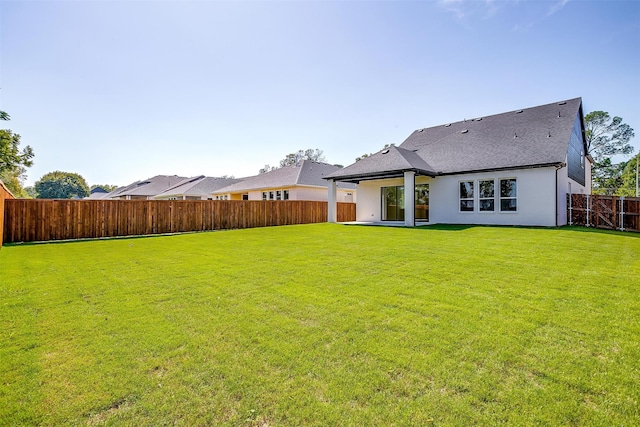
264, 195
245, 197
422, 202
466, 196
486, 195
286, 194
270, 195
508, 195
278, 195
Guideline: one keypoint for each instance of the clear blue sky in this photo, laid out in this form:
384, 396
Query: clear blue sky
124, 90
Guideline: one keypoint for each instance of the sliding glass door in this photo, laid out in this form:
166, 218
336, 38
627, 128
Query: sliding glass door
393, 203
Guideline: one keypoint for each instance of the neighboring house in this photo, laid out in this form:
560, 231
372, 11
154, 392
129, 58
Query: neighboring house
97, 193
514, 168
300, 182
147, 189
198, 188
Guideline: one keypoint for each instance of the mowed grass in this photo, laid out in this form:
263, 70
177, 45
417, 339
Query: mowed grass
324, 325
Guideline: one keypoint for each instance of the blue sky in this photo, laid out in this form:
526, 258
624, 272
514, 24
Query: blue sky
124, 90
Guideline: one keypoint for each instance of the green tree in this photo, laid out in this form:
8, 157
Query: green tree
61, 185
606, 177
629, 177
294, 159
13, 161
606, 136
108, 188
297, 157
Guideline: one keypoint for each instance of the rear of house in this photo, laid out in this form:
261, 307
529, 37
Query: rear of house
514, 168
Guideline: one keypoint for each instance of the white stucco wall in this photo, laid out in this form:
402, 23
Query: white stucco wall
536, 198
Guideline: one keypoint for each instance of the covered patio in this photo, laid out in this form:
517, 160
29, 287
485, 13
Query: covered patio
392, 162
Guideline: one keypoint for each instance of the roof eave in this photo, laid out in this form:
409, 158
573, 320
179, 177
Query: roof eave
506, 168
356, 178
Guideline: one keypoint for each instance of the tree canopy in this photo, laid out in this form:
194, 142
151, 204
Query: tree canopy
13, 161
606, 136
294, 159
105, 187
61, 185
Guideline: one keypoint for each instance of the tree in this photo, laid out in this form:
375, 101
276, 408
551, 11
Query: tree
267, 168
108, 188
294, 159
605, 136
607, 177
13, 162
628, 177
61, 185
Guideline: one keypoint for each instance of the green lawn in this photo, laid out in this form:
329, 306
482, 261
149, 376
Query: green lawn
324, 325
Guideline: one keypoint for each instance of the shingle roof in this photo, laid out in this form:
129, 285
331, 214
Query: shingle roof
307, 173
198, 186
148, 187
529, 137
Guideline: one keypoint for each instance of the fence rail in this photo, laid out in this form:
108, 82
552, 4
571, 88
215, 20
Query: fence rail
5, 194
609, 212
30, 220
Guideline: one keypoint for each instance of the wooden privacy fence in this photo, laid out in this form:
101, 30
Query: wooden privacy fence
30, 220
5, 194
610, 212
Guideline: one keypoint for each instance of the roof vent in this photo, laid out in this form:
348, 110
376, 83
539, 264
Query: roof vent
464, 131
549, 136
421, 130
519, 111
558, 114
385, 151
562, 103
515, 135
447, 125
478, 119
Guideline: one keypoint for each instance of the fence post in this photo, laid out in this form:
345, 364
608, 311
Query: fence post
621, 213
588, 211
570, 209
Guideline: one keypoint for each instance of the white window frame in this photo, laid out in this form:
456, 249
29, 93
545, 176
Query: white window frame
500, 198
472, 198
480, 198
264, 195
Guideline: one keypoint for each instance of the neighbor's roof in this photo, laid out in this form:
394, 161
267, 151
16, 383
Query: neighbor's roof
198, 186
529, 137
148, 187
308, 173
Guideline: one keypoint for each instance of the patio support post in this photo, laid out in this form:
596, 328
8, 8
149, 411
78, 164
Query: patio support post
332, 210
409, 199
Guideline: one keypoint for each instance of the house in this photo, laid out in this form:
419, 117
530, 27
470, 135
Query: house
198, 188
97, 193
513, 168
147, 189
299, 182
